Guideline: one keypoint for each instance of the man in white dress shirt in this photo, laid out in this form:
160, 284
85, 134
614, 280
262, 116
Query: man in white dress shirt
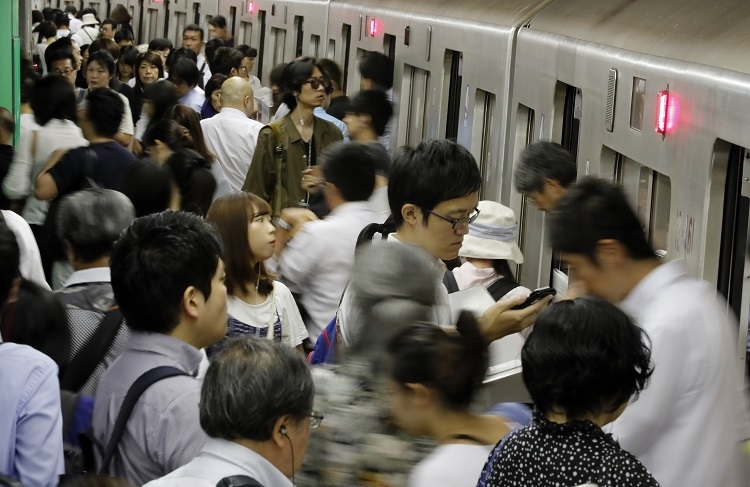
252, 433
689, 425
317, 262
75, 23
231, 134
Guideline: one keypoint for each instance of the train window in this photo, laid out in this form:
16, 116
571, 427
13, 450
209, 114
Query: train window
278, 42
314, 45
481, 134
166, 19
180, 23
197, 13
661, 198
331, 52
389, 46
567, 122
232, 20
609, 164
452, 83
346, 42
246, 33
416, 82
299, 25
261, 43
153, 23
637, 102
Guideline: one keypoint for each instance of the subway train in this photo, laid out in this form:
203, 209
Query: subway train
652, 95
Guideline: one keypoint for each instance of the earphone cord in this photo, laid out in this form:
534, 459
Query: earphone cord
292, 447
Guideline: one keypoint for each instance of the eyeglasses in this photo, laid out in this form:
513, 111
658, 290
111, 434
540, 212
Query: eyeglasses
316, 83
457, 223
315, 419
61, 72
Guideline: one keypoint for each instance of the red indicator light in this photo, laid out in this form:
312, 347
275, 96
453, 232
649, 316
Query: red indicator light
250, 7
662, 111
373, 27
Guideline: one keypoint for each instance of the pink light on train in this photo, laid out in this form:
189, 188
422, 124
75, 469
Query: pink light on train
373, 27
668, 112
250, 7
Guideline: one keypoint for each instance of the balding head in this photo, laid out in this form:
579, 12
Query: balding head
237, 93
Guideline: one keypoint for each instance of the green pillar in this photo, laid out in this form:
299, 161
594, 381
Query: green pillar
10, 60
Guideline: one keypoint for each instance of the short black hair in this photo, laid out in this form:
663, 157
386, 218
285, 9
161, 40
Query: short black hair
250, 385
162, 96
184, 71
104, 44
124, 35
214, 83
195, 28
191, 173
275, 77
218, 21
436, 170
377, 67
350, 166
541, 161
167, 131
331, 70
104, 59
59, 50
71, 9
181, 53
149, 277
585, 356
160, 44
210, 49
47, 29
61, 19
105, 109
37, 17
452, 365
109, 22
247, 51
10, 259
148, 186
294, 75
374, 103
129, 56
594, 210
226, 58
53, 97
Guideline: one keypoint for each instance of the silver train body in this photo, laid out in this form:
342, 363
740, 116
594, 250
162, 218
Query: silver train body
500, 74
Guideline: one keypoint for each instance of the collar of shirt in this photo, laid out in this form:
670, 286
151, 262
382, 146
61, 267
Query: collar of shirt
184, 354
349, 207
85, 276
249, 461
647, 289
227, 112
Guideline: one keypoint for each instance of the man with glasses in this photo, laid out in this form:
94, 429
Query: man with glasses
254, 434
317, 263
62, 62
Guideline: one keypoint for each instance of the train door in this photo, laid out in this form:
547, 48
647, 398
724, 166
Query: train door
346, 45
416, 83
299, 34
261, 45
452, 83
734, 265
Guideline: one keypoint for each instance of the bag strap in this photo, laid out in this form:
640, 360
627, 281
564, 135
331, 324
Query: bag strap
126, 409
501, 287
278, 156
238, 481
493, 457
449, 281
92, 353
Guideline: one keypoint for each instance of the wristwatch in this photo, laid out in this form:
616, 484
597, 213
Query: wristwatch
282, 224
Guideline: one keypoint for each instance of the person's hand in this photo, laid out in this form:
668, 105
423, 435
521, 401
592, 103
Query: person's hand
312, 179
137, 147
500, 321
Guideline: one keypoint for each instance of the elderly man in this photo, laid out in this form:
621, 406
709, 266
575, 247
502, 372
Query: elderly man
258, 438
89, 223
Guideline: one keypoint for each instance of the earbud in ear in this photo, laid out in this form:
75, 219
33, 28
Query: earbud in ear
282, 430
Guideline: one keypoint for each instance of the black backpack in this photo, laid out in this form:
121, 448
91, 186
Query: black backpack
238, 481
497, 290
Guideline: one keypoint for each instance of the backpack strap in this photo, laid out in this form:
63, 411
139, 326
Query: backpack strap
92, 353
449, 281
126, 409
238, 481
487, 470
501, 287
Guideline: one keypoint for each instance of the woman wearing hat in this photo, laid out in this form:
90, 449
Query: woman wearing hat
488, 247
89, 31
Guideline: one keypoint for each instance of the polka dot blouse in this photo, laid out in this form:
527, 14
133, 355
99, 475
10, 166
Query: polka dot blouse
564, 455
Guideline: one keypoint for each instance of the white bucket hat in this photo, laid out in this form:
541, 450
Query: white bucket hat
89, 19
493, 234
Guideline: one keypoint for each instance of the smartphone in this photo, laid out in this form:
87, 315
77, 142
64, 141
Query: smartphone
535, 296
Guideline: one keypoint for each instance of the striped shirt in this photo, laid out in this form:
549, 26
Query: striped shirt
164, 431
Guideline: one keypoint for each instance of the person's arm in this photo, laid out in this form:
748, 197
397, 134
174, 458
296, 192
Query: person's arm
294, 219
500, 321
17, 183
39, 435
124, 135
46, 187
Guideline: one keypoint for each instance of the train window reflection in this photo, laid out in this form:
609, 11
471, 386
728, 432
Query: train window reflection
416, 82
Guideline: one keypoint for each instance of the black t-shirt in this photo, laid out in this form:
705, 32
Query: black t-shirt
6, 157
339, 107
112, 162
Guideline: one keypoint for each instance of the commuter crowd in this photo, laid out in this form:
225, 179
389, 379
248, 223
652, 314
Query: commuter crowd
207, 281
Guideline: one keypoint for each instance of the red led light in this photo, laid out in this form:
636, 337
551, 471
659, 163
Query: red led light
662, 112
250, 7
373, 27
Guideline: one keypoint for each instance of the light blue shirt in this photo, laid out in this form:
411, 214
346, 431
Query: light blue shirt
194, 99
320, 113
31, 438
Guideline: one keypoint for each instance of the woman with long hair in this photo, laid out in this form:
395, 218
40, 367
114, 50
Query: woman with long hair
256, 304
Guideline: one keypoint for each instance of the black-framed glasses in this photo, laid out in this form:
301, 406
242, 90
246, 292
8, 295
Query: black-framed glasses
315, 419
457, 223
316, 83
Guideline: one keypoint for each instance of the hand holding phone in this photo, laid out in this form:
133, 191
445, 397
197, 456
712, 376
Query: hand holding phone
535, 296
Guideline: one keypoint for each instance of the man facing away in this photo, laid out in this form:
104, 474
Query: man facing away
231, 134
253, 432
544, 172
174, 304
687, 428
